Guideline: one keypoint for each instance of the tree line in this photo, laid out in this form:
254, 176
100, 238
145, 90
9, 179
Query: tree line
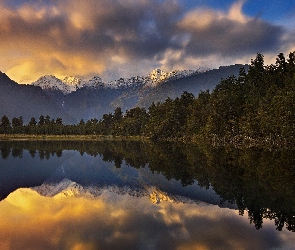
255, 104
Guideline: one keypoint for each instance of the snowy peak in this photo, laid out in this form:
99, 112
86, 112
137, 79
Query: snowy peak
127, 82
64, 188
158, 76
68, 188
67, 85
71, 80
49, 82
70, 83
95, 82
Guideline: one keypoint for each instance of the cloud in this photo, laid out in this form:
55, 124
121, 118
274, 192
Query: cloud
228, 35
113, 221
105, 37
83, 37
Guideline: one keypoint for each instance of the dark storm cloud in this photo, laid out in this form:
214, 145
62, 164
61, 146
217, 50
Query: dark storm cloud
95, 35
229, 38
135, 28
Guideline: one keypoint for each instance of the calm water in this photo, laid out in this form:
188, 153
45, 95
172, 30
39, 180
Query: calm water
131, 195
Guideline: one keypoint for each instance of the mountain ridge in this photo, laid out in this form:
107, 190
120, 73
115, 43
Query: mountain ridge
68, 188
70, 83
89, 99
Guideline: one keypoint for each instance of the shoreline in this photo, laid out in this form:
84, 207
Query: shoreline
239, 142
25, 137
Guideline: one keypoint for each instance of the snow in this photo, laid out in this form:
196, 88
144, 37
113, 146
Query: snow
68, 188
70, 83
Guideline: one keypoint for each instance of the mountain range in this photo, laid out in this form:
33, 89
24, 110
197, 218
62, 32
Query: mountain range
67, 188
74, 99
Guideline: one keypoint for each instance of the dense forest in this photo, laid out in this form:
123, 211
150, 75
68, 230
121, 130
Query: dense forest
256, 105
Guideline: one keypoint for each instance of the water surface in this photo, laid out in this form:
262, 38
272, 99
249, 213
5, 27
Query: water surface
131, 195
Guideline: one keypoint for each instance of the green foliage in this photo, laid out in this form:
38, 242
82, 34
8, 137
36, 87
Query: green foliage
5, 125
17, 125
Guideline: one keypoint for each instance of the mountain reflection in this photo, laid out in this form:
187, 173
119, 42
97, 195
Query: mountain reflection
112, 221
258, 181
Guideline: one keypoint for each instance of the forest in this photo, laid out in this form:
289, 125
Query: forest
256, 106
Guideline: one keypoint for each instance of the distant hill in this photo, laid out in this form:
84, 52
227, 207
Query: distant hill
93, 98
27, 101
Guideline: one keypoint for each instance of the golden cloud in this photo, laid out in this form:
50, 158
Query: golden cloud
111, 220
110, 36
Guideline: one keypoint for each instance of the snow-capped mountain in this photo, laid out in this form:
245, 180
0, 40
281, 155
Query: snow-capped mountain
49, 82
70, 83
157, 75
95, 82
67, 188
153, 79
74, 99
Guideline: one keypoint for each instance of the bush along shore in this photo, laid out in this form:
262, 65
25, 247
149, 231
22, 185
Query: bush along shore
257, 108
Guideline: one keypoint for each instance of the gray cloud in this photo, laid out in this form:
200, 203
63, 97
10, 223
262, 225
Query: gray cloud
96, 36
228, 38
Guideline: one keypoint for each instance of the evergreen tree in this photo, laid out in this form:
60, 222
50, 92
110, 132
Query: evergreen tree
5, 125
31, 128
17, 125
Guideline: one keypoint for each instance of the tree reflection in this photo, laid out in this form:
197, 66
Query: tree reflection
5, 152
17, 152
258, 181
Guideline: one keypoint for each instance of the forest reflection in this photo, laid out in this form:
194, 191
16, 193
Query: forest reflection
258, 181
112, 221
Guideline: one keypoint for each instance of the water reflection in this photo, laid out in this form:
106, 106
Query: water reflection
260, 182
113, 221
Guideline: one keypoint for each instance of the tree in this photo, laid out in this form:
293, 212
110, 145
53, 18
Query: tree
17, 125
200, 112
32, 122
41, 120
58, 121
118, 115
58, 126
133, 122
256, 70
81, 128
31, 128
5, 126
226, 104
106, 123
47, 120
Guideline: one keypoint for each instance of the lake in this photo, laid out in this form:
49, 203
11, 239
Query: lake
135, 195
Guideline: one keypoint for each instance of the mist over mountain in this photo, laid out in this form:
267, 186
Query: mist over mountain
74, 99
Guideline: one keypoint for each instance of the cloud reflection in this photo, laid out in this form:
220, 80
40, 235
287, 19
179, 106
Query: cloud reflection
113, 221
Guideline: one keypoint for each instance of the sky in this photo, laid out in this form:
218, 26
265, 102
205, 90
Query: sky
123, 38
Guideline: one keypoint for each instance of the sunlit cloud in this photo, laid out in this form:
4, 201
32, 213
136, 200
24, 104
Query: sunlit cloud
236, 12
108, 37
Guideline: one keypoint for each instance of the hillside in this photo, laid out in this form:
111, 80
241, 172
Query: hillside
27, 101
